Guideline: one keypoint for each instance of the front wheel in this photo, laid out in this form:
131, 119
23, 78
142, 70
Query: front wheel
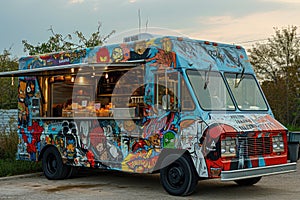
178, 178
248, 181
53, 166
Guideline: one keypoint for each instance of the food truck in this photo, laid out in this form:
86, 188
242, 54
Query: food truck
188, 109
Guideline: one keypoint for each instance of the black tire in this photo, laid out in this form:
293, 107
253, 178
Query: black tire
180, 177
73, 171
53, 166
248, 181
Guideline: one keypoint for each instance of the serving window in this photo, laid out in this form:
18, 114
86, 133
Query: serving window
105, 93
70, 96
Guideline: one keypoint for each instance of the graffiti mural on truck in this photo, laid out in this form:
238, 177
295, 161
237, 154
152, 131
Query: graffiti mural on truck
135, 145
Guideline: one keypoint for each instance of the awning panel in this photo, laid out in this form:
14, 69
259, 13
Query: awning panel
73, 69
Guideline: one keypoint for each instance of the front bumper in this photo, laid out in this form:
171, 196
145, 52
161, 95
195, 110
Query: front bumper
257, 171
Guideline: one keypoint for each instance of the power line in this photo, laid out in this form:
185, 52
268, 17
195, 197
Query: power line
251, 41
259, 40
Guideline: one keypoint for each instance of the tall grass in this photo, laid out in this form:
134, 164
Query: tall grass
8, 140
16, 167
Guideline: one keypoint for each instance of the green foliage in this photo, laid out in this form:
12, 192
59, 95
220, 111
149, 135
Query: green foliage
272, 59
58, 42
15, 167
293, 128
8, 143
8, 97
277, 65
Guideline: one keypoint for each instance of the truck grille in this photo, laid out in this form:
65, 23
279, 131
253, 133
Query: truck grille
254, 146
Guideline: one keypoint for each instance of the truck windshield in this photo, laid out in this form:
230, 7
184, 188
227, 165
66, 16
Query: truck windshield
246, 92
210, 89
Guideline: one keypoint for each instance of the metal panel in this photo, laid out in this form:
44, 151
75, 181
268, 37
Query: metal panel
258, 171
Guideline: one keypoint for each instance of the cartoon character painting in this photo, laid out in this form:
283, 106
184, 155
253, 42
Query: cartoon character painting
103, 55
30, 88
169, 139
31, 136
165, 57
140, 51
98, 144
22, 104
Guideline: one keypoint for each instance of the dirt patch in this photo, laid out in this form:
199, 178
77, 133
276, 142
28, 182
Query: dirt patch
82, 186
70, 187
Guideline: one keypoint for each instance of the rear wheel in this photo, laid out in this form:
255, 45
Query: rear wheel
178, 178
73, 171
248, 181
53, 166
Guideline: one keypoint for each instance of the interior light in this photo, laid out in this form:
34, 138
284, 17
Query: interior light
81, 80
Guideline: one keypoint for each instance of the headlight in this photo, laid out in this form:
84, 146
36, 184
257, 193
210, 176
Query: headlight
278, 144
228, 147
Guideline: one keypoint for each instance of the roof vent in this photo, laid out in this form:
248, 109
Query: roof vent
140, 36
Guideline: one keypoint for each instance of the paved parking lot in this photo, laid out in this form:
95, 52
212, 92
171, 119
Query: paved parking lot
118, 185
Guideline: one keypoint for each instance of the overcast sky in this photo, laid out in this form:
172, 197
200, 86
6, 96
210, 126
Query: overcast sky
227, 21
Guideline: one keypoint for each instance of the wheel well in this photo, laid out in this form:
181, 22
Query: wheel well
166, 152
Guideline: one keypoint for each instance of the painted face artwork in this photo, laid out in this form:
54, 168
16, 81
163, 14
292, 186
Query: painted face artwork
169, 139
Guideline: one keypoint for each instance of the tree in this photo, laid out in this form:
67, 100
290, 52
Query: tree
277, 65
58, 42
8, 95
295, 75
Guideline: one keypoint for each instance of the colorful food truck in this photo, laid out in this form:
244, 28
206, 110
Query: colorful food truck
185, 108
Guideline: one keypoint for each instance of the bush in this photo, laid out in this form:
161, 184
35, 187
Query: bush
293, 128
8, 145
